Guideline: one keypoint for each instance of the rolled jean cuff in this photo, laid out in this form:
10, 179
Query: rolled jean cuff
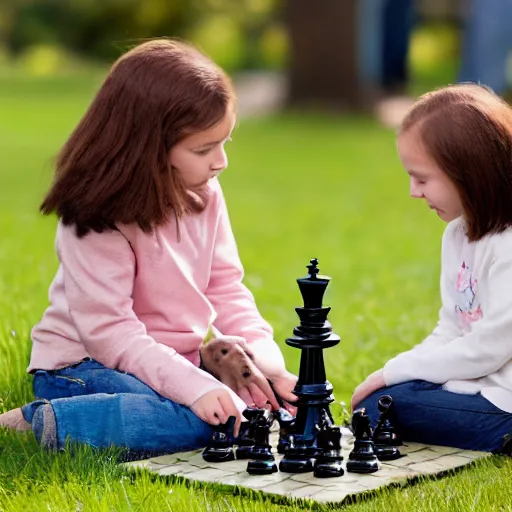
28, 410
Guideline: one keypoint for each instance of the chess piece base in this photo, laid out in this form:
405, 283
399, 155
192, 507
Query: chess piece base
328, 469
218, 454
363, 466
282, 447
384, 452
260, 453
387, 438
261, 467
295, 465
244, 452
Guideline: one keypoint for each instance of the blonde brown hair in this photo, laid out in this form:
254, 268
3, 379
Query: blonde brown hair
467, 130
114, 168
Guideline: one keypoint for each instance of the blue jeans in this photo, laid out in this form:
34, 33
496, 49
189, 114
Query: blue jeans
487, 44
384, 32
102, 407
425, 413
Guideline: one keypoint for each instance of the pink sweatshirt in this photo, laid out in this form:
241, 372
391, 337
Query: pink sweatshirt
143, 304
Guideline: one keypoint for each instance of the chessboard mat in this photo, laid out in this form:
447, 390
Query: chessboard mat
417, 460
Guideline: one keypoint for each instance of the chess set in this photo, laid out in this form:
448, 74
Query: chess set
309, 441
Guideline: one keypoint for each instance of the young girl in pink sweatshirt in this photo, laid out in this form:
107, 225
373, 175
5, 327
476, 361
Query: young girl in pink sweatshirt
149, 269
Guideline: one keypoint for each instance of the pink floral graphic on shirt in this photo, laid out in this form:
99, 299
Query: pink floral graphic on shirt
467, 310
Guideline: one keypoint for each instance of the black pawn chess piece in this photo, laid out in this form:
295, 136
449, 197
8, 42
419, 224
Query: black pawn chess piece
385, 436
262, 460
362, 458
286, 423
328, 462
220, 448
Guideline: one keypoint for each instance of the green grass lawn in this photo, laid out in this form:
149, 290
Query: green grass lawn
297, 188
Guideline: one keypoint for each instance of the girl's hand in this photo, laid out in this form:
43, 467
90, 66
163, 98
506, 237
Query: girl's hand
231, 361
283, 386
215, 407
372, 383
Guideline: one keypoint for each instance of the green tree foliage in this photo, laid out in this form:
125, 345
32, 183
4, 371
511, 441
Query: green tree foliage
236, 33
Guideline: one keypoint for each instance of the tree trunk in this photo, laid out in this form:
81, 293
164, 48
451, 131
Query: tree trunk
323, 71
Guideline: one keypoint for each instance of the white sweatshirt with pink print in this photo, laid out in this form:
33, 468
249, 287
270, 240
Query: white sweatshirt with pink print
470, 350
143, 304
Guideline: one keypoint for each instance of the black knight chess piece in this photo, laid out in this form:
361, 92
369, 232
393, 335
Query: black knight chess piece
220, 448
385, 436
314, 391
328, 461
262, 460
362, 459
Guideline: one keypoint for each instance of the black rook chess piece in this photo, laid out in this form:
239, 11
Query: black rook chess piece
362, 458
385, 436
314, 391
220, 448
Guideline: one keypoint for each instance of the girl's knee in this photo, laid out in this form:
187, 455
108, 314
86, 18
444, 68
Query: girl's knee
401, 394
50, 385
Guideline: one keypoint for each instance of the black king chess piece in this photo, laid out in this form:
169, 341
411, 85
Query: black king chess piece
220, 448
314, 392
385, 436
362, 458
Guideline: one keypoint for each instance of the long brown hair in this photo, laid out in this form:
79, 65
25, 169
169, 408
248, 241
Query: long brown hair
114, 168
467, 130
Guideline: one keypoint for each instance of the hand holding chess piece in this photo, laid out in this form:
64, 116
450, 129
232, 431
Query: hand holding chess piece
216, 406
220, 448
283, 386
230, 360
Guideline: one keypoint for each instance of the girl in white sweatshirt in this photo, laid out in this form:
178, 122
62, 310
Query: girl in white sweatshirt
455, 387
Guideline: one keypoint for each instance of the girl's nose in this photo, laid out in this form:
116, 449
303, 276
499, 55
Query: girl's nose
220, 162
415, 191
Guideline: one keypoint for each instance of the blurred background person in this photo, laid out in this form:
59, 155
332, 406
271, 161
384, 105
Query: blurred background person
487, 43
385, 28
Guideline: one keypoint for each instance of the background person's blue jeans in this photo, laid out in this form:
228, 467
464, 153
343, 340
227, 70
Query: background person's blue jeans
101, 407
487, 44
426, 413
